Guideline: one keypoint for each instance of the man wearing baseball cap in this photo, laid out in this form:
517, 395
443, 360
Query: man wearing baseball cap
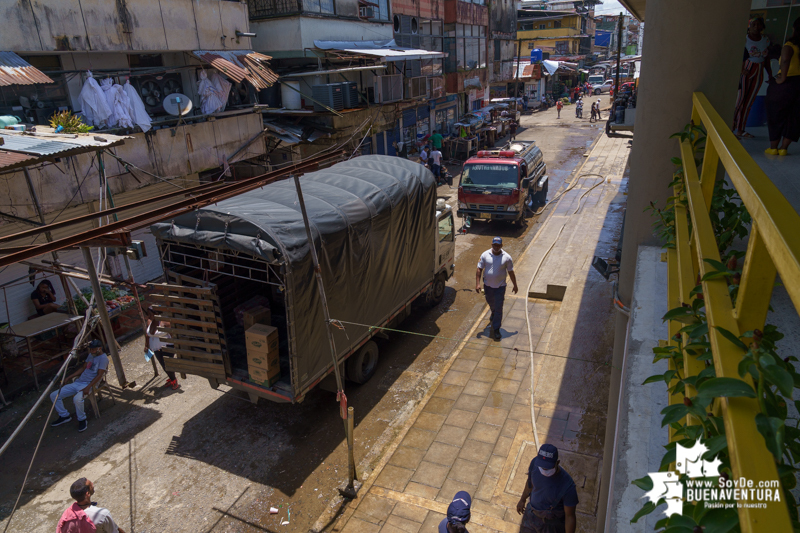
495, 264
89, 374
553, 496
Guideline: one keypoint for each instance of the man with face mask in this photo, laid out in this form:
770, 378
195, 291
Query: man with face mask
553, 496
84, 516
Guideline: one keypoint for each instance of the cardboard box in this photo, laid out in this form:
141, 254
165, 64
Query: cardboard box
263, 360
261, 338
263, 377
257, 315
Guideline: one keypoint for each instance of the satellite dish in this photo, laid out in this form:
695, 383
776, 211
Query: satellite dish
177, 104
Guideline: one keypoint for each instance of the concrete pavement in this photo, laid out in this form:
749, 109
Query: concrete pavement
474, 430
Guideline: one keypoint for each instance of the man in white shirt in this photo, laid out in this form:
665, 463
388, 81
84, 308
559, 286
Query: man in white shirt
423, 156
436, 163
84, 513
495, 264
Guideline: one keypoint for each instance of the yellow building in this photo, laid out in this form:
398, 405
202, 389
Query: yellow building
558, 34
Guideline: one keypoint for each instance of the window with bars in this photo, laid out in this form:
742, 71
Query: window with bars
466, 46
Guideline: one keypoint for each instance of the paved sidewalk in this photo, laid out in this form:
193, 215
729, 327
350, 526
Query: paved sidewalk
475, 432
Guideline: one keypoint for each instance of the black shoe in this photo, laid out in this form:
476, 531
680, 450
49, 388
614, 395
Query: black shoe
497, 335
82, 425
60, 420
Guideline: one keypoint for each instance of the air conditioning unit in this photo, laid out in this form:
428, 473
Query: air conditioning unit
388, 88
366, 12
416, 87
330, 94
154, 89
350, 94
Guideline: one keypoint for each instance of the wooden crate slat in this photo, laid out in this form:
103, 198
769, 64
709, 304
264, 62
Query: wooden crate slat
188, 322
199, 368
196, 344
191, 353
182, 300
190, 332
174, 310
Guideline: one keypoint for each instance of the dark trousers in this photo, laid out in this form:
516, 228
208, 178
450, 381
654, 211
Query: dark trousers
495, 298
783, 109
437, 170
160, 355
533, 524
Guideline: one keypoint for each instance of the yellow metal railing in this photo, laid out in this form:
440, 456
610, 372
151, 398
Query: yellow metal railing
773, 246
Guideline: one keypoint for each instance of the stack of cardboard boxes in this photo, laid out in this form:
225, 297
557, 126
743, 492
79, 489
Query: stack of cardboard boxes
263, 362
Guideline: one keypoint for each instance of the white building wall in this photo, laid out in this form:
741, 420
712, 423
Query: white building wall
106, 25
298, 33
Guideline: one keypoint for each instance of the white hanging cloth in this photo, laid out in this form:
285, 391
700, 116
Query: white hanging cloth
93, 102
223, 88
136, 108
119, 103
210, 101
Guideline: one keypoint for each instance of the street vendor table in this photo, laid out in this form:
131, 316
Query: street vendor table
36, 326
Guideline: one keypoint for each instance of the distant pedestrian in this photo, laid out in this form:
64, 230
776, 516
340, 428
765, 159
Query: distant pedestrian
593, 118
436, 163
553, 496
599, 113
579, 108
88, 375
495, 264
84, 516
152, 341
783, 97
512, 129
559, 106
755, 63
436, 140
424, 155
525, 102
458, 514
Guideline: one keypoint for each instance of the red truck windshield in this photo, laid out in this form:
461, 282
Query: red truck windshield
489, 175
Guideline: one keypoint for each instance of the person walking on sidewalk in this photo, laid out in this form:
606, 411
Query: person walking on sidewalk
88, 375
458, 514
553, 496
494, 264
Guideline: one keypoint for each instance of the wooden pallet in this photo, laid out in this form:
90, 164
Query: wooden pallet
197, 334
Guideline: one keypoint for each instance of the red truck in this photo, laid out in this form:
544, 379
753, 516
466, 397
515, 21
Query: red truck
498, 184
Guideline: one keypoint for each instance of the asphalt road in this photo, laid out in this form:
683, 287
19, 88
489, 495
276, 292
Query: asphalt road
199, 459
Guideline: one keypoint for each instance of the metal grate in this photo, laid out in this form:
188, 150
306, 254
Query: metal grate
211, 260
485, 207
273, 8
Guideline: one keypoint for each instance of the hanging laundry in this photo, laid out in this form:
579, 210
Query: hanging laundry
136, 107
120, 106
210, 100
93, 102
223, 88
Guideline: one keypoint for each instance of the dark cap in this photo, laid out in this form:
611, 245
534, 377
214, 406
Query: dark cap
497, 240
458, 510
547, 457
95, 344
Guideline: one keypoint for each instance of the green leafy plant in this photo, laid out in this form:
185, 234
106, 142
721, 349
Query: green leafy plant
775, 378
70, 123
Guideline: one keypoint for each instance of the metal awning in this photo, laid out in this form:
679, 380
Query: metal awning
331, 71
240, 65
385, 50
292, 134
23, 149
16, 71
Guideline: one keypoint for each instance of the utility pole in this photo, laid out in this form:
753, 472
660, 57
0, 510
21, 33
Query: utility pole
519, 61
105, 321
619, 55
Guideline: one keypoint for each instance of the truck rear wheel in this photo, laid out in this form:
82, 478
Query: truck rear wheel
362, 365
436, 292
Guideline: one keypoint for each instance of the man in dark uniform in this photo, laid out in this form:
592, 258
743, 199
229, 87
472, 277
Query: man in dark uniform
553, 496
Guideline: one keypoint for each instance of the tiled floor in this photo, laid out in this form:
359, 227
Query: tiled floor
475, 433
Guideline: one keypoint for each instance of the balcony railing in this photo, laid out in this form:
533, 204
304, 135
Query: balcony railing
773, 246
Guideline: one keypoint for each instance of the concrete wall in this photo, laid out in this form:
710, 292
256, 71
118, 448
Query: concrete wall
104, 25
465, 13
194, 148
434, 9
664, 105
294, 34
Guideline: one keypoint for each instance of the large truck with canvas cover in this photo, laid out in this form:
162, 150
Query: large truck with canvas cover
499, 184
383, 240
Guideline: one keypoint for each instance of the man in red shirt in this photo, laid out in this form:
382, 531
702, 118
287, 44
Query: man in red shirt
84, 516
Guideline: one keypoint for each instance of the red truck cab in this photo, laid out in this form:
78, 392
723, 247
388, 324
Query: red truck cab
499, 184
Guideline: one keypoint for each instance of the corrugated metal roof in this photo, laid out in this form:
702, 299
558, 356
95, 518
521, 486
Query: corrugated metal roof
16, 71
32, 145
239, 65
13, 159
